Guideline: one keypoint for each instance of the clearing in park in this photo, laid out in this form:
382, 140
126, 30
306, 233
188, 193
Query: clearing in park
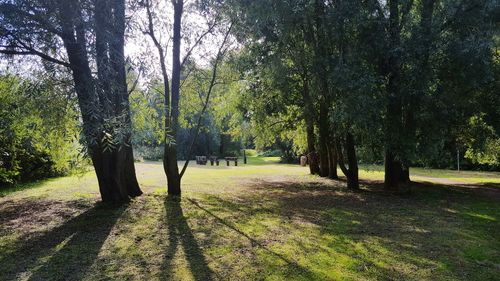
258, 221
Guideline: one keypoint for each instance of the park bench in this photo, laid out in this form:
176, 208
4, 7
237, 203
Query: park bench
213, 159
235, 159
201, 160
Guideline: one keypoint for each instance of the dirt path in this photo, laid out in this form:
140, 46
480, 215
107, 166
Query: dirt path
486, 190
439, 180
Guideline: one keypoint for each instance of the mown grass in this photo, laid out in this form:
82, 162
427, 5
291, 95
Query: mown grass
262, 221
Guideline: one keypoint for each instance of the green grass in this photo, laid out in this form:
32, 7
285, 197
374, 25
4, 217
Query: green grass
262, 221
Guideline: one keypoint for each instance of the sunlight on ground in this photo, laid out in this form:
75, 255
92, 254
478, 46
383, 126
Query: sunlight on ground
259, 221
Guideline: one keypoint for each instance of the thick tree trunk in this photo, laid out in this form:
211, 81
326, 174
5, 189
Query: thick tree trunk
312, 157
421, 80
114, 169
111, 171
393, 171
172, 171
321, 55
394, 128
332, 158
404, 177
122, 105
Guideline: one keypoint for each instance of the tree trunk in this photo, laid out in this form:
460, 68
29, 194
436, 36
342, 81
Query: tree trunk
122, 105
394, 128
404, 176
393, 171
422, 80
352, 160
323, 140
321, 55
351, 172
309, 120
111, 171
172, 170
332, 158
114, 168
170, 153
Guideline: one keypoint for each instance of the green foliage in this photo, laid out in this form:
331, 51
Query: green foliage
38, 132
482, 142
271, 153
444, 55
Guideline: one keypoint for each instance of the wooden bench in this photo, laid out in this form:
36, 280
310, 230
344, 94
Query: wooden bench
201, 160
235, 159
213, 159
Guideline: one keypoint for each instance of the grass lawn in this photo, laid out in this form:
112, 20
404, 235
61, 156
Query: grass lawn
262, 221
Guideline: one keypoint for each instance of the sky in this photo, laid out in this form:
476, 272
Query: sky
139, 47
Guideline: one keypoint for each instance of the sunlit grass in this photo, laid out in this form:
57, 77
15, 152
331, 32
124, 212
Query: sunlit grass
261, 221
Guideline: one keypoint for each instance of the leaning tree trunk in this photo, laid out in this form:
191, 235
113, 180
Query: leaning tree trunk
351, 172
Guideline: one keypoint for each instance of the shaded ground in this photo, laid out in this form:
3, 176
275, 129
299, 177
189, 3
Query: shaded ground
252, 223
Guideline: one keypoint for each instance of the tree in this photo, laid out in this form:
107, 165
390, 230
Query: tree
42, 28
172, 83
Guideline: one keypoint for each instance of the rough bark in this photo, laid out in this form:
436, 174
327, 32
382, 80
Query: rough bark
122, 105
114, 169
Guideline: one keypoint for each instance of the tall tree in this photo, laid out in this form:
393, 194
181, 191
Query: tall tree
172, 83
39, 28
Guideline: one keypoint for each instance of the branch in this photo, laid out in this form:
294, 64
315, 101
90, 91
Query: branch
135, 83
198, 41
218, 58
33, 52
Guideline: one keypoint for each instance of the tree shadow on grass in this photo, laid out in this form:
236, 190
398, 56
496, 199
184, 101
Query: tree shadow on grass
291, 264
432, 231
180, 234
65, 252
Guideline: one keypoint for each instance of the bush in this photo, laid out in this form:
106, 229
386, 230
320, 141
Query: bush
38, 130
272, 153
149, 153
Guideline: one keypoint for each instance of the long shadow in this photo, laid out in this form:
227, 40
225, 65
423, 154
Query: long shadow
65, 252
255, 243
179, 233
